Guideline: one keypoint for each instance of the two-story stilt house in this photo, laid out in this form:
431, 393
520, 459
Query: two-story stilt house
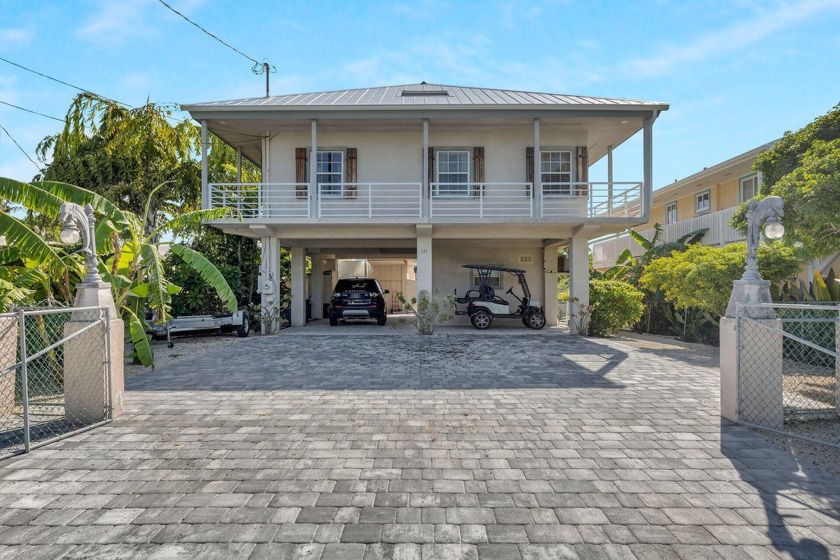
445, 175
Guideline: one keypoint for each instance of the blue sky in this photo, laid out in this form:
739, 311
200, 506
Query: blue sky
737, 74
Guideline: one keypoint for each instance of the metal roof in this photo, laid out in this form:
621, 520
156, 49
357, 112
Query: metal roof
424, 95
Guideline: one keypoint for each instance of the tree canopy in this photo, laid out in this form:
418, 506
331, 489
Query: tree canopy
803, 168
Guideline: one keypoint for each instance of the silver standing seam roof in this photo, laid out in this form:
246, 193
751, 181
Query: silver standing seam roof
425, 95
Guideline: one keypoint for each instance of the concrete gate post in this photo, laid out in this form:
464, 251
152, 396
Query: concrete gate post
86, 358
8, 358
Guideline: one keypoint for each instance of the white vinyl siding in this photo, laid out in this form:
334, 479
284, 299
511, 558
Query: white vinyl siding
556, 172
671, 213
703, 202
453, 173
748, 187
330, 171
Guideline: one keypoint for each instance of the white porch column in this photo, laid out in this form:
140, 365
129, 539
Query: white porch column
647, 187
316, 286
205, 189
578, 279
298, 304
537, 176
424, 260
314, 195
239, 165
425, 199
550, 285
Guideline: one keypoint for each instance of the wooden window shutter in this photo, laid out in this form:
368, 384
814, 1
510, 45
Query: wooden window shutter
432, 176
583, 170
350, 174
478, 170
529, 167
300, 172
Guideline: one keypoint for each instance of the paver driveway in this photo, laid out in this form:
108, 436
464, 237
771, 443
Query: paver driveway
470, 446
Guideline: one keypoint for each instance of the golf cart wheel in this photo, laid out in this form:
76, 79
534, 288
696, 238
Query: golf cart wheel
243, 330
333, 321
481, 320
381, 320
536, 320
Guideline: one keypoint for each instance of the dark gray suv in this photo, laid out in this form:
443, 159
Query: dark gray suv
358, 298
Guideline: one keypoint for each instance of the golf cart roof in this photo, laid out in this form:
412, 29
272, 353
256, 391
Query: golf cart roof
490, 267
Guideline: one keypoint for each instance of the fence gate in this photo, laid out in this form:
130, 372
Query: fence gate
55, 375
788, 368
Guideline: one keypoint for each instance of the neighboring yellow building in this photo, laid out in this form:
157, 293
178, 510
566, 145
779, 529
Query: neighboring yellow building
706, 199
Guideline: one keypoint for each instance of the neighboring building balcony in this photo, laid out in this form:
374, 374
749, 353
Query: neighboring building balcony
444, 202
605, 252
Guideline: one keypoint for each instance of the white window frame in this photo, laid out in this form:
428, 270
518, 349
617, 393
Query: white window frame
752, 177
335, 188
668, 207
708, 206
557, 190
450, 188
494, 280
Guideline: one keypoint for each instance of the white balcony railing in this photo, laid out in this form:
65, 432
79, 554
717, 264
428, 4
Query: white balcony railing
354, 201
604, 253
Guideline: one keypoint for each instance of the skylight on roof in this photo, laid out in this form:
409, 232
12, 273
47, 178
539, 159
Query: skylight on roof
424, 93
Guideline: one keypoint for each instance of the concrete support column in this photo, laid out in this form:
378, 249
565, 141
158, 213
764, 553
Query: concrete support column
316, 286
578, 280
205, 189
314, 195
298, 286
424, 260
270, 282
609, 180
537, 177
8, 357
550, 285
425, 198
647, 148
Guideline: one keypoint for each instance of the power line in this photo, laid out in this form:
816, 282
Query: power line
19, 148
33, 112
216, 37
258, 67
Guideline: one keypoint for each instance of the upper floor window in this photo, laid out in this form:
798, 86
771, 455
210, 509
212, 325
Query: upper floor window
671, 213
330, 171
453, 173
556, 172
703, 202
748, 187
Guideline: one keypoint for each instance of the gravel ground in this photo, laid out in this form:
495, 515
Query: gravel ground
185, 347
826, 457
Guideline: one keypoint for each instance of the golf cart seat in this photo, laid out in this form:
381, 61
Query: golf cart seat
489, 294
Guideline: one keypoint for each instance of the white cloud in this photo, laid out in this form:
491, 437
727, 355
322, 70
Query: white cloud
10, 37
729, 39
115, 22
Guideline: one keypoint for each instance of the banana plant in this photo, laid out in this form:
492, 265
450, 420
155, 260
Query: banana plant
130, 259
629, 268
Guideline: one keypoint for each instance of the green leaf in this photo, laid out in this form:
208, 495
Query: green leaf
141, 291
189, 220
31, 245
158, 297
693, 237
9, 255
72, 193
640, 239
208, 272
137, 331
30, 197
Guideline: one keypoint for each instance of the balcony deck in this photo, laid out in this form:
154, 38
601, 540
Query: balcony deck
351, 203
604, 253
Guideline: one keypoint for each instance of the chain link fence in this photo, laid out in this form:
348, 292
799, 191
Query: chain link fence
55, 375
788, 368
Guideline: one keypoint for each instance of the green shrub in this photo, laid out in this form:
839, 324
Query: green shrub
614, 305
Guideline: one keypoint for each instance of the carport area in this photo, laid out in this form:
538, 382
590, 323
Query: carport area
476, 445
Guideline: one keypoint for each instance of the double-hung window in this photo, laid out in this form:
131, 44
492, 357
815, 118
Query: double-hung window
494, 280
748, 187
330, 172
703, 202
453, 173
671, 213
556, 173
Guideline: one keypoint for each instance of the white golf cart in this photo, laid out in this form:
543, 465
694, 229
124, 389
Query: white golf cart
483, 306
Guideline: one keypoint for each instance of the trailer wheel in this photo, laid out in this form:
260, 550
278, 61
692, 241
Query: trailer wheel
481, 320
244, 329
536, 320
